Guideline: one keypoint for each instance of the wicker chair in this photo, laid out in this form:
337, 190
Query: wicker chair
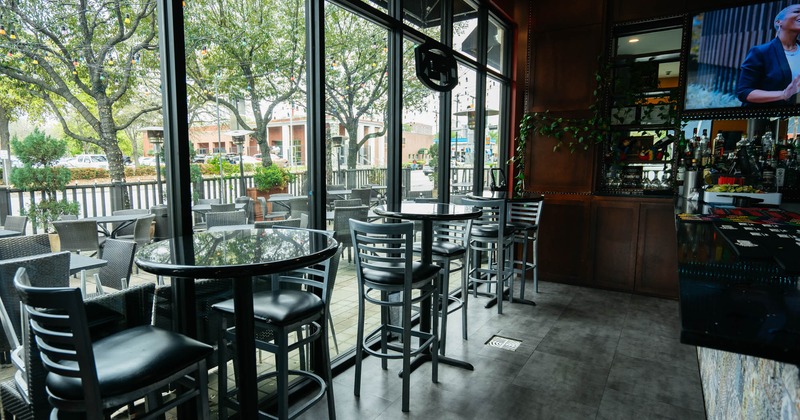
216, 208
200, 219
248, 207
16, 223
117, 273
350, 202
363, 194
298, 206
24, 246
128, 228
78, 235
225, 218
141, 231
341, 225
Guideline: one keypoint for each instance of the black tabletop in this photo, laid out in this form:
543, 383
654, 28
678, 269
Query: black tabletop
236, 253
734, 303
430, 211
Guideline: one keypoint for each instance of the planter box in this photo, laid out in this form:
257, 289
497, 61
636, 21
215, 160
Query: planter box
254, 194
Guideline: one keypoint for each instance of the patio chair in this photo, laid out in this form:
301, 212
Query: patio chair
248, 207
97, 378
24, 246
350, 202
141, 231
199, 218
363, 194
223, 207
16, 223
297, 206
225, 218
341, 225
78, 235
128, 228
117, 273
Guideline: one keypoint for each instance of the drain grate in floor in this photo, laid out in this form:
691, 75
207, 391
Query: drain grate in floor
504, 343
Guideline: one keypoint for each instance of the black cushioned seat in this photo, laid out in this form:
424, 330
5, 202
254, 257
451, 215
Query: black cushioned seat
492, 230
124, 361
442, 248
280, 307
418, 271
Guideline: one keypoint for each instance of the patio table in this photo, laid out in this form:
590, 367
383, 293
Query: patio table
124, 220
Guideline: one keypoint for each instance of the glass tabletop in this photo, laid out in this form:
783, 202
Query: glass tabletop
430, 211
236, 253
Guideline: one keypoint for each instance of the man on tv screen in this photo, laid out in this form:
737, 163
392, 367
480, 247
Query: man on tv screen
770, 74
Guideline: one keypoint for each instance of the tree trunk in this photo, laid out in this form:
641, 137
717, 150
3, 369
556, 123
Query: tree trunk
110, 145
5, 139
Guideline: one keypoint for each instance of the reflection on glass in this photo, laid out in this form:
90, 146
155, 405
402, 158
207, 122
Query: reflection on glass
426, 16
462, 141
421, 166
495, 57
494, 114
465, 28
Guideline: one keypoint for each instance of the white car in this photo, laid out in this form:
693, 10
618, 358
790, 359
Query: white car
147, 161
246, 159
87, 161
277, 160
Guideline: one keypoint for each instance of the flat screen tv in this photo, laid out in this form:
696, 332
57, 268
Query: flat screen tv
731, 53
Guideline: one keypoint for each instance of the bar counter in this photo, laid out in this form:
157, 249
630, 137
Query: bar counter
743, 305
743, 314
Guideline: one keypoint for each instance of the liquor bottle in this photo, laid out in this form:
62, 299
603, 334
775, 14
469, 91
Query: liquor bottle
768, 174
718, 146
681, 174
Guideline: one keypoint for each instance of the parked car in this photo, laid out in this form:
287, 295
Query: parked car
199, 158
427, 170
87, 161
246, 159
147, 161
277, 160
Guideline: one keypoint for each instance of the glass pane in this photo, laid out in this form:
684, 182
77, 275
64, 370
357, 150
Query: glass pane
420, 133
650, 42
355, 88
496, 45
378, 4
246, 85
465, 28
424, 15
462, 149
495, 112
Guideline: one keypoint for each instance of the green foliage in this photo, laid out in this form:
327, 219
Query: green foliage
272, 176
38, 153
212, 167
47, 211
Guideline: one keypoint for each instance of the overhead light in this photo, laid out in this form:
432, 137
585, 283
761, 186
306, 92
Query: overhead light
632, 40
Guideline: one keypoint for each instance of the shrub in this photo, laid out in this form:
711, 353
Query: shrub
272, 176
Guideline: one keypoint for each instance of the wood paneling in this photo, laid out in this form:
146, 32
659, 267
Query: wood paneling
549, 15
657, 256
564, 65
563, 239
614, 242
560, 171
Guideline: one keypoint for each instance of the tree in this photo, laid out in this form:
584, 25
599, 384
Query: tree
356, 81
39, 153
85, 60
251, 51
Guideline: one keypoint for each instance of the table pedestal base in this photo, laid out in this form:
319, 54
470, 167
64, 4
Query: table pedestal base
506, 293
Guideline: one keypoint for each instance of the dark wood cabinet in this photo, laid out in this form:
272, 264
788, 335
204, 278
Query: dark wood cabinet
634, 245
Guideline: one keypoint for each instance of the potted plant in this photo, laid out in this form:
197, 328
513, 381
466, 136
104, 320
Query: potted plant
268, 180
38, 153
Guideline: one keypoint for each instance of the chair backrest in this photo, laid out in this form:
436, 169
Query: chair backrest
491, 208
304, 220
24, 246
248, 207
456, 231
298, 206
127, 229
385, 247
223, 207
58, 321
16, 223
208, 201
162, 223
363, 194
341, 221
334, 187
263, 203
350, 202
77, 235
271, 223
141, 229
225, 218
319, 277
48, 270
119, 254
525, 210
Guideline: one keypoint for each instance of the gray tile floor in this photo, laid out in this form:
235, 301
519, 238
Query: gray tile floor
585, 354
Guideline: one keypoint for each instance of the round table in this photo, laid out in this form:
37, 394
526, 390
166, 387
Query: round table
427, 213
237, 255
